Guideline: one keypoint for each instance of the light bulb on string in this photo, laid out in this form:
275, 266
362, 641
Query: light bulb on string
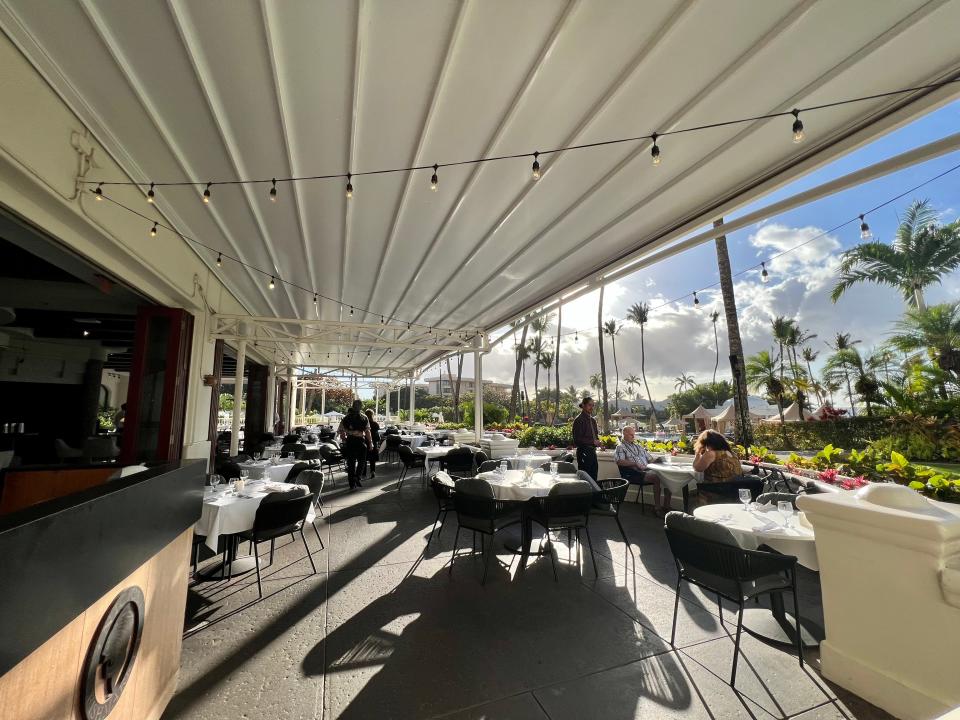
99, 191
273, 191
536, 166
351, 310
272, 283
865, 233
764, 275
153, 230
696, 301
798, 133
314, 300
349, 186
219, 260
655, 150
206, 193
150, 194
433, 178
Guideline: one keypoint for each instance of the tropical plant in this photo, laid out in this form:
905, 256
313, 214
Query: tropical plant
762, 376
633, 384
535, 350
546, 362
520, 353
611, 328
809, 355
935, 331
714, 316
684, 381
838, 364
782, 329
639, 313
922, 253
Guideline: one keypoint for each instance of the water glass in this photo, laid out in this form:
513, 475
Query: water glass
504, 466
745, 498
668, 458
786, 509
215, 481
554, 469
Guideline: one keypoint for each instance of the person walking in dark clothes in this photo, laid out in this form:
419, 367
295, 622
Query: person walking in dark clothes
586, 436
356, 441
373, 454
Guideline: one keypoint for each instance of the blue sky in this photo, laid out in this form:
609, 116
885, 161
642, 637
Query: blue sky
680, 339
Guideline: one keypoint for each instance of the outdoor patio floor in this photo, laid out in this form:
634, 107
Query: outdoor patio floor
382, 631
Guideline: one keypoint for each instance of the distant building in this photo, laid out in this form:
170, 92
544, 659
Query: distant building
444, 385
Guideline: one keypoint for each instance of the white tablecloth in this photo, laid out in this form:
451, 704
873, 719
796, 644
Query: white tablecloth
224, 514
265, 470
675, 476
765, 526
519, 462
512, 486
435, 452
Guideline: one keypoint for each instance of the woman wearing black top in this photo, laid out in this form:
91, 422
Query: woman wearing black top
354, 434
373, 454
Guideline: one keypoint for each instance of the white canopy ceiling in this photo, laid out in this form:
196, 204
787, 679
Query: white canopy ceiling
226, 89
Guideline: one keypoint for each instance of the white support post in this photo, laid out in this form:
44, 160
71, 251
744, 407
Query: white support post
478, 394
270, 410
323, 401
386, 404
293, 404
288, 409
303, 402
376, 400
413, 399
237, 397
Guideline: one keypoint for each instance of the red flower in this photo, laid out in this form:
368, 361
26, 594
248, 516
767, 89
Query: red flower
828, 476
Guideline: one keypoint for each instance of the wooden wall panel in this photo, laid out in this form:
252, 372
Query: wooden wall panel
46, 685
22, 488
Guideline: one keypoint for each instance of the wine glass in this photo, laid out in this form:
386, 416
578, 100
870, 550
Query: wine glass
215, 481
745, 497
504, 466
554, 469
786, 509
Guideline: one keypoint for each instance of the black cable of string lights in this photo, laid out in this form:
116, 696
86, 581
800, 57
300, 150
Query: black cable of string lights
762, 263
798, 132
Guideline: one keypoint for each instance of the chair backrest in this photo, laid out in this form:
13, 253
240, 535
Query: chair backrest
290, 438
459, 460
569, 498
775, 481
393, 441
406, 455
281, 509
288, 448
479, 457
239, 458
772, 498
474, 497
614, 490
311, 454
729, 490
488, 466
563, 468
313, 479
229, 470
584, 476
295, 471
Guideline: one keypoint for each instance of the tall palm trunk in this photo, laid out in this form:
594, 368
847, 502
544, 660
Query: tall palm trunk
526, 393
456, 387
846, 376
453, 405
716, 344
744, 431
643, 374
515, 395
794, 368
616, 370
556, 360
536, 386
810, 373
603, 365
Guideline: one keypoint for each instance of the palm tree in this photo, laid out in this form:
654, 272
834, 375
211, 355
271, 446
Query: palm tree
797, 337
838, 365
809, 355
633, 384
714, 316
639, 313
922, 253
935, 330
556, 401
762, 376
612, 329
536, 348
523, 354
546, 362
603, 363
781, 328
572, 393
683, 381
517, 348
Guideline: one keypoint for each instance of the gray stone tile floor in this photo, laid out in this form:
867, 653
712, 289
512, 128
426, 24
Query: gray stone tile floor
383, 630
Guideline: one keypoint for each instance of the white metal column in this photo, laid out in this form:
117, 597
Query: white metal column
303, 402
413, 399
478, 394
376, 400
270, 410
237, 397
386, 404
288, 409
293, 405
323, 401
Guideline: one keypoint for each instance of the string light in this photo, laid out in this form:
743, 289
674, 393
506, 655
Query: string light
206, 193
433, 178
150, 194
655, 150
865, 233
351, 310
219, 259
272, 283
153, 230
86, 333
99, 192
273, 191
536, 166
798, 133
349, 186
696, 301
764, 275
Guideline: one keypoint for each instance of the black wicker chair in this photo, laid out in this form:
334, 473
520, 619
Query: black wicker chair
411, 461
313, 479
458, 461
391, 448
488, 466
479, 511
330, 458
607, 502
293, 475
229, 470
707, 555
772, 498
280, 514
563, 467
443, 490
290, 438
566, 507
288, 449
729, 491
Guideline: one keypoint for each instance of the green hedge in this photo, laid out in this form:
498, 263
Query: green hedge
857, 432
543, 435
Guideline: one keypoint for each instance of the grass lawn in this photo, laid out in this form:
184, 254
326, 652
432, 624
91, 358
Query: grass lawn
949, 468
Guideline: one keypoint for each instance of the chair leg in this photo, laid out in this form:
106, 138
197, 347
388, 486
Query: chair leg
553, 561
736, 645
487, 552
307, 548
433, 529
593, 557
643, 504
676, 607
403, 475
622, 531
322, 546
456, 540
256, 559
796, 618
273, 542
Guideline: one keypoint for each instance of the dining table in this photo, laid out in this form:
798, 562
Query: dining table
676, 475
227, 511
520, 461
788, 533
433, 453
271, 470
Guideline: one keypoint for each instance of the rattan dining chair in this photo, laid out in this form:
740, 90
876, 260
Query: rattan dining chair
563, 468
410, 461
488, 466
772, 498
443, 490
707, 555
566, 507
607, 502
479, 511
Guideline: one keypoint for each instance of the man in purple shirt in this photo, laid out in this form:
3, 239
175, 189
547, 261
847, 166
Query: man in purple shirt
586, 437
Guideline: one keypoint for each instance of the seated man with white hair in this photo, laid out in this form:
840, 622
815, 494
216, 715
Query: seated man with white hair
632, 458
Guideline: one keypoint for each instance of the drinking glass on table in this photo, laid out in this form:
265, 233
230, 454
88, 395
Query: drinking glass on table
745, 497
504, 466
215, 481
786, 509
554, 469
